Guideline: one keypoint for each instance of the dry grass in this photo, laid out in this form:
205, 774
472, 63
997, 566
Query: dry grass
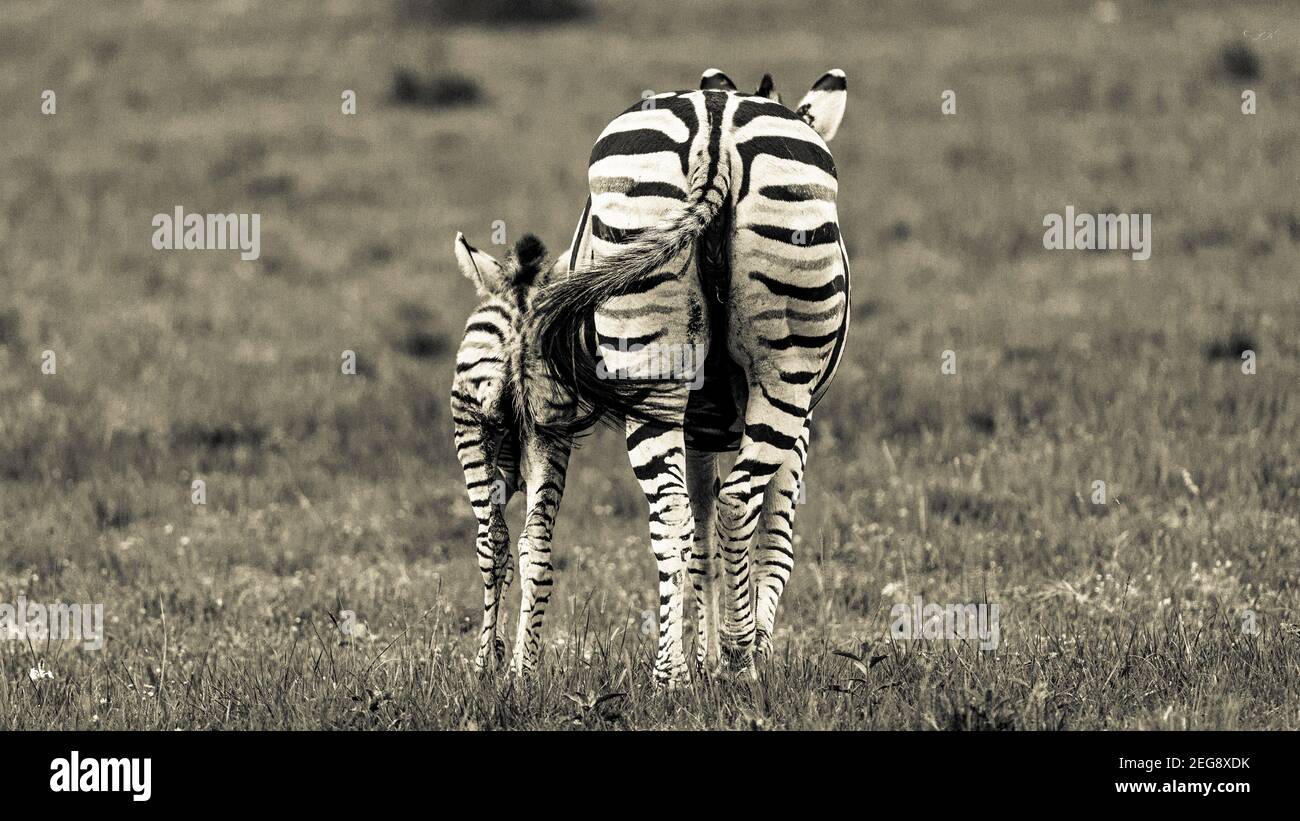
329, 492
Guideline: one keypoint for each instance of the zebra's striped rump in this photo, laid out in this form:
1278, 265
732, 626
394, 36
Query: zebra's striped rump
499, 376
668, 184
649, 265
711, 226
704, 305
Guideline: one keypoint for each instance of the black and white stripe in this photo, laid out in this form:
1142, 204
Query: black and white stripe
498, 392
711, 226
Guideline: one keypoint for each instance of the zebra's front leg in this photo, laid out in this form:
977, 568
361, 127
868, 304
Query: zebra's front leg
774, 552
706, 564
658, 457
544, 466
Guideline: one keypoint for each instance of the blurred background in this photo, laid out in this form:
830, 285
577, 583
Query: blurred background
327, 491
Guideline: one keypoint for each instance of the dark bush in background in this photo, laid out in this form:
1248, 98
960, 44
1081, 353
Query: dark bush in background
1240, 61
495, 12
442, 91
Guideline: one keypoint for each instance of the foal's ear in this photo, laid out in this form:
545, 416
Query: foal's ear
557, 270
767, 88
716, 80
823, 106
478, 267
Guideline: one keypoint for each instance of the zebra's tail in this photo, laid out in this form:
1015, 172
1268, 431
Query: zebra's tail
562, 312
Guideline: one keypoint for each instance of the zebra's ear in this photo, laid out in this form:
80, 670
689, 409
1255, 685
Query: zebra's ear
557, 270
823, 106
767, 88
715, 80
478, 267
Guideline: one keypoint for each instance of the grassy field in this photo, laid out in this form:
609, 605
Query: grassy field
328, 492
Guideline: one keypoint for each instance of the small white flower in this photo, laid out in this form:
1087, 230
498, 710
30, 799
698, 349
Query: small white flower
39, 672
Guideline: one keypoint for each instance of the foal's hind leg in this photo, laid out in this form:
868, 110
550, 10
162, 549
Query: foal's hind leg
490, 478
543, 466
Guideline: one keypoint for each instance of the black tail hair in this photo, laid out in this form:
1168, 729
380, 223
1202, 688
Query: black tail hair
563, 312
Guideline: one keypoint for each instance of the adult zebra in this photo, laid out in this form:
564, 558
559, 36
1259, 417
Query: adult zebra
710, 240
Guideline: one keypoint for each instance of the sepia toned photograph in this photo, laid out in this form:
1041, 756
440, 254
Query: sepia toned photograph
542, 365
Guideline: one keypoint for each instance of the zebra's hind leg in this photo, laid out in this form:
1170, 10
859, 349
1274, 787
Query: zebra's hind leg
504, 487
658, 456
493, 548
706, 563
773, 426
774, 549
545, 464
488, 463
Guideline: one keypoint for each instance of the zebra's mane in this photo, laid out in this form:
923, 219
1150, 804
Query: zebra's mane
530, 255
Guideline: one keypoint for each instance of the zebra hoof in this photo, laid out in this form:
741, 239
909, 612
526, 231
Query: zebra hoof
523, 669
708, 667
672, 678
739, 660
490, 659
762, 646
